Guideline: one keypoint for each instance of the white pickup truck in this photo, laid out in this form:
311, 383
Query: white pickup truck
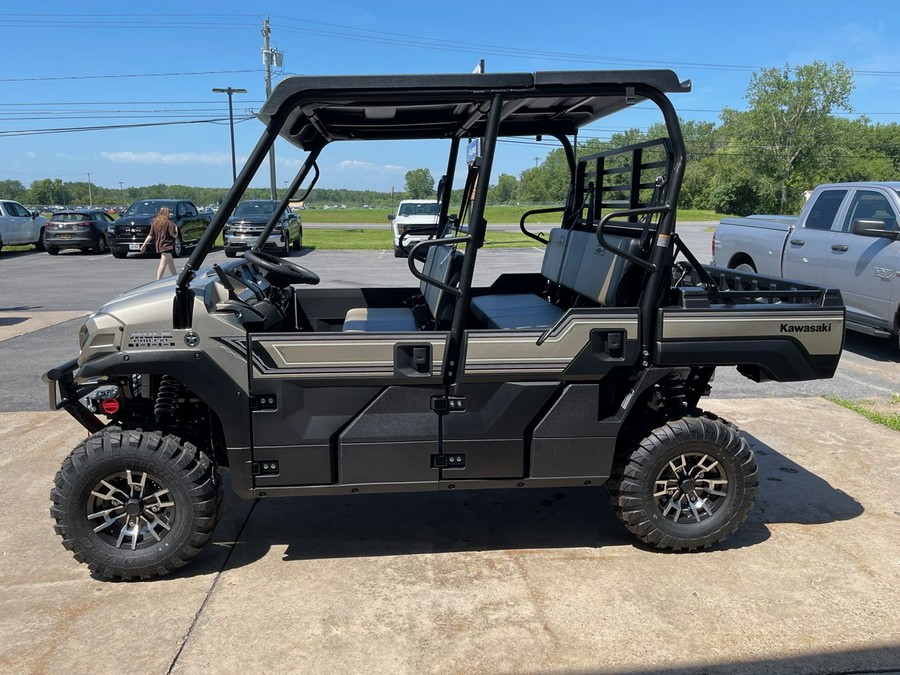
847, 236
19, 226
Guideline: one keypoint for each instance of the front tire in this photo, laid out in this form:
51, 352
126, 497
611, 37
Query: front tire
119, 254
52, 250
177, 247
134, 504
688, 485
298, 242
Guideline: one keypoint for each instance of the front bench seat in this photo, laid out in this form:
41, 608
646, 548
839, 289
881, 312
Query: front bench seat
441, 262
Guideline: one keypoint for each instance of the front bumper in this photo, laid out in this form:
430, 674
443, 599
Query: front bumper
65, 394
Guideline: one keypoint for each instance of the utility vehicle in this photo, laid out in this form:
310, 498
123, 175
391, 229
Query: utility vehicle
589, 371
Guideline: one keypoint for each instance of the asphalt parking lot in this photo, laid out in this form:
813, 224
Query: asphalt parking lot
514, 581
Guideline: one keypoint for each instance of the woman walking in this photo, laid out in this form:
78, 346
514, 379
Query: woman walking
162, 233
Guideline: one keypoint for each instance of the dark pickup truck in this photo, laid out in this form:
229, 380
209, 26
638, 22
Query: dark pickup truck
131, 229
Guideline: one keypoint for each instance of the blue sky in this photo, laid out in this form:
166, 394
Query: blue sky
119, 63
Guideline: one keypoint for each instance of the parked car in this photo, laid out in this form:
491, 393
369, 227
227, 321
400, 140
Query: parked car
417, 220
248, 222
85, 230
19, 226
847, 236
130, 231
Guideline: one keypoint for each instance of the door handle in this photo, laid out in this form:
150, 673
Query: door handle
797, 242
840, 247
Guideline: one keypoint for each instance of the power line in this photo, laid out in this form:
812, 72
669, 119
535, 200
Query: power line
346, 32
64, 130
111, 77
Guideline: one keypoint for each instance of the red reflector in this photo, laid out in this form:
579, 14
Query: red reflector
110, 406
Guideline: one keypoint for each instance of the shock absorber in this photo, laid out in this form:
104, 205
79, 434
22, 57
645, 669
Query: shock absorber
671, 389
166, 403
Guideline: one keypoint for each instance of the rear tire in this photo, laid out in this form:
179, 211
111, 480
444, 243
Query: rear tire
177, 247
101, 247
687, 485
132, 504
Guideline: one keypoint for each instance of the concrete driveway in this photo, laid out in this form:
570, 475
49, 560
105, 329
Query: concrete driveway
519, 581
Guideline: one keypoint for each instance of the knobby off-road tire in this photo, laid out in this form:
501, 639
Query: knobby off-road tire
134, 504
687, 485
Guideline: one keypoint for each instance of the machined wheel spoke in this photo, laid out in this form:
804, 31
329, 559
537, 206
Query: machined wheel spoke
131, 509
664, 487
692, 485
715, 487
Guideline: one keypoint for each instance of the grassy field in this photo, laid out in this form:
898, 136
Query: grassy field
369, 239
493, 214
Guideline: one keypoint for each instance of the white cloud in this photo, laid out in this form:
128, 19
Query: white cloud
355, 164
169, 158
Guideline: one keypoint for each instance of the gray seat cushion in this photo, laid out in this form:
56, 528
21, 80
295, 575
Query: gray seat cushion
379, 320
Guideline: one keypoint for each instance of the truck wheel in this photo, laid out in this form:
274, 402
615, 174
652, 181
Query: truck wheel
134, 504
52, 250
119, 254
298, 242
285, 245
688, 485
177, 247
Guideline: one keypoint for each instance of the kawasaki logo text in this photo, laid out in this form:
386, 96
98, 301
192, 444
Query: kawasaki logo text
818, 328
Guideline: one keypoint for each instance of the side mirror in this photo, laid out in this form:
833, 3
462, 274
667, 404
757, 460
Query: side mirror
391, 217
872, 228
35, 214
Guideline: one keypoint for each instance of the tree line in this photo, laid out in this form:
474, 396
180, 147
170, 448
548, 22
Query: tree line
758, 160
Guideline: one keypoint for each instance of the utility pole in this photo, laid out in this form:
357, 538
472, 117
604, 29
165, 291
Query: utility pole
90, 192
230, 91
270, 56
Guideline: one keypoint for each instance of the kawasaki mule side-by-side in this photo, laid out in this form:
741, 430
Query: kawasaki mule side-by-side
587, 372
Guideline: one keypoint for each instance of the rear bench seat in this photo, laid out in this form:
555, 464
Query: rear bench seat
442, 263
572, 260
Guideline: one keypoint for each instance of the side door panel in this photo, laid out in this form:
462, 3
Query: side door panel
866, 268
807, 250
345, 408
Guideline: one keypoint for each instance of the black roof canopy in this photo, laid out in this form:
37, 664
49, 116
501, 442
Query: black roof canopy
316, 110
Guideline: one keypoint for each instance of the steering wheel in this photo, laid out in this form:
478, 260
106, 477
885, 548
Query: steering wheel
281, 271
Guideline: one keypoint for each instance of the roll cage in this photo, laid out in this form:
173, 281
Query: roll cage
312, 112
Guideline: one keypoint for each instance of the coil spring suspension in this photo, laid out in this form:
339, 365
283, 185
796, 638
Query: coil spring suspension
167, 395
669, 397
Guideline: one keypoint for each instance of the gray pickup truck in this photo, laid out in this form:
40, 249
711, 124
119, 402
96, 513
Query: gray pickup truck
847, 236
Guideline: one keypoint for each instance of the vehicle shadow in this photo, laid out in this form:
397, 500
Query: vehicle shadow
306, 250
444, 522
875, 348
789, 494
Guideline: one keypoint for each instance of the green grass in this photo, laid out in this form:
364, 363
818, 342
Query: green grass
363, 239
870, 411
493, 214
